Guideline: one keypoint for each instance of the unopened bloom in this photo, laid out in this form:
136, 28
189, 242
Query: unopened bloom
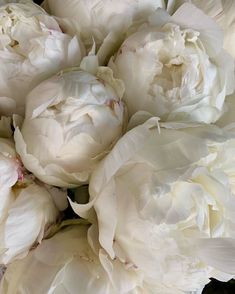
72, 120
165, 204
32, 48
176, 68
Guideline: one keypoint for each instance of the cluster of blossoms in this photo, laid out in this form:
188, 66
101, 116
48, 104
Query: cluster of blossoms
117, 146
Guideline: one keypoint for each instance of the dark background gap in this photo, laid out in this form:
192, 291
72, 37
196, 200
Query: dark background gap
39, 1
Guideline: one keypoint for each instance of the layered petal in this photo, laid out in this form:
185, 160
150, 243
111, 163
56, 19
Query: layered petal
102, 21
72, 120
32, 48
176, 68
181, 209
30, 214
66, 263
9, 173
222, 12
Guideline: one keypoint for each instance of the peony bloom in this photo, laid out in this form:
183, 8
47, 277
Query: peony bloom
66, 264
175, 68
222, 11
27, 209
72, 120
99, 20
9, 173
165, 204
29, 216
32, 47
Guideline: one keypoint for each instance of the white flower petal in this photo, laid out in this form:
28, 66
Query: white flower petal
29, 215
66, 263
72, 120
30, 57
184, 196
102, 21
175, 67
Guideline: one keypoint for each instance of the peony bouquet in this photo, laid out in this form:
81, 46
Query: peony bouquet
117, 146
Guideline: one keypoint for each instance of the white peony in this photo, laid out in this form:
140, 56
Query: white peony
26, 209
100, 20
175, 68
72, 120
32, 47
66, 264
165, 204
9, 174
29, 217
222, 11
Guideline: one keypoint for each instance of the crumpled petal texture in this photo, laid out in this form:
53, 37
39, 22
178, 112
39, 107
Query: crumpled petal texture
165, 204
176, 68
72, 120
32, 48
